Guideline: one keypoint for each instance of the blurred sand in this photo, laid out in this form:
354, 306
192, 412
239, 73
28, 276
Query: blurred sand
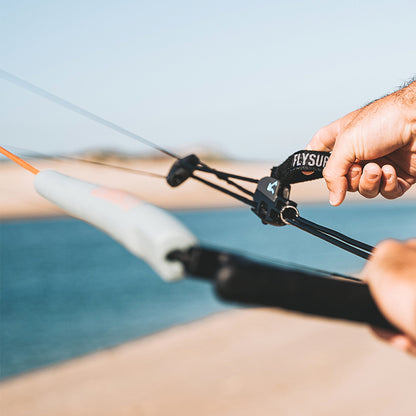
19, 199
238, 363
243, 362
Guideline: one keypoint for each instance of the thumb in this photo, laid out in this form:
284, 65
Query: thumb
324, 139
336, 170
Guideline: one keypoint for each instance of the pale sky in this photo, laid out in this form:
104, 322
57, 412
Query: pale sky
255, 78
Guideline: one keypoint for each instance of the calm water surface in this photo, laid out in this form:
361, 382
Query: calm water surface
67, 289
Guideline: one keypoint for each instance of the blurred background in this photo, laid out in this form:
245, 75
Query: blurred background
254, 79
249, 82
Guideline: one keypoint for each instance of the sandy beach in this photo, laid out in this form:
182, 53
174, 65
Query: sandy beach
240, 362
244, 362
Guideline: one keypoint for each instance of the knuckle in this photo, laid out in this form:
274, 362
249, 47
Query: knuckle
321, 139
322, 133
329, 174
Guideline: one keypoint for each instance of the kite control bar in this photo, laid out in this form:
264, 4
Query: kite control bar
271, 199
173, 252
153, 235
158, 238
163, 242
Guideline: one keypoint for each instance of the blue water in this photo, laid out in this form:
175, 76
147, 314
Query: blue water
67, 289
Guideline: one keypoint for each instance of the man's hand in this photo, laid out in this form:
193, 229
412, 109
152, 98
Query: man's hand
391, 276
373, 148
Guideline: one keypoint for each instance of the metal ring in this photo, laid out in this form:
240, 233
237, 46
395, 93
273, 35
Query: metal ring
285, 208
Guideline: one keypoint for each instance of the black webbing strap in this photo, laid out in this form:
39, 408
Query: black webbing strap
290, 171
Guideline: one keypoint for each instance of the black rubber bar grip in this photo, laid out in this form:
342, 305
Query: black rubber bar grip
245, 281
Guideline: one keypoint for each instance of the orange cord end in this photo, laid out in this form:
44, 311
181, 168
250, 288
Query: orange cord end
19, 161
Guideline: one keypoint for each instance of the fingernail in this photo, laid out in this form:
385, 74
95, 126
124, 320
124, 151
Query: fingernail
355, 172
372, 176
333, 198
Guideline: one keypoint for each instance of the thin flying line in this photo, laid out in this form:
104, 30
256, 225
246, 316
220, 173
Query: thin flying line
32, 154
79, 110
109, 165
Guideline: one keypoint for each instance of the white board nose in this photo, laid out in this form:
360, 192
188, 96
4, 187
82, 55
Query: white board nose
147, 231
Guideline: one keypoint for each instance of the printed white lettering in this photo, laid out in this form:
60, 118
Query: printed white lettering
319, 159
295, 160
312, 160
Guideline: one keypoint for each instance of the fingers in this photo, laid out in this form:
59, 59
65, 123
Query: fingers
373, 179
337, 168
370, 181
335, 173
353, 177
390, 187
392, 282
